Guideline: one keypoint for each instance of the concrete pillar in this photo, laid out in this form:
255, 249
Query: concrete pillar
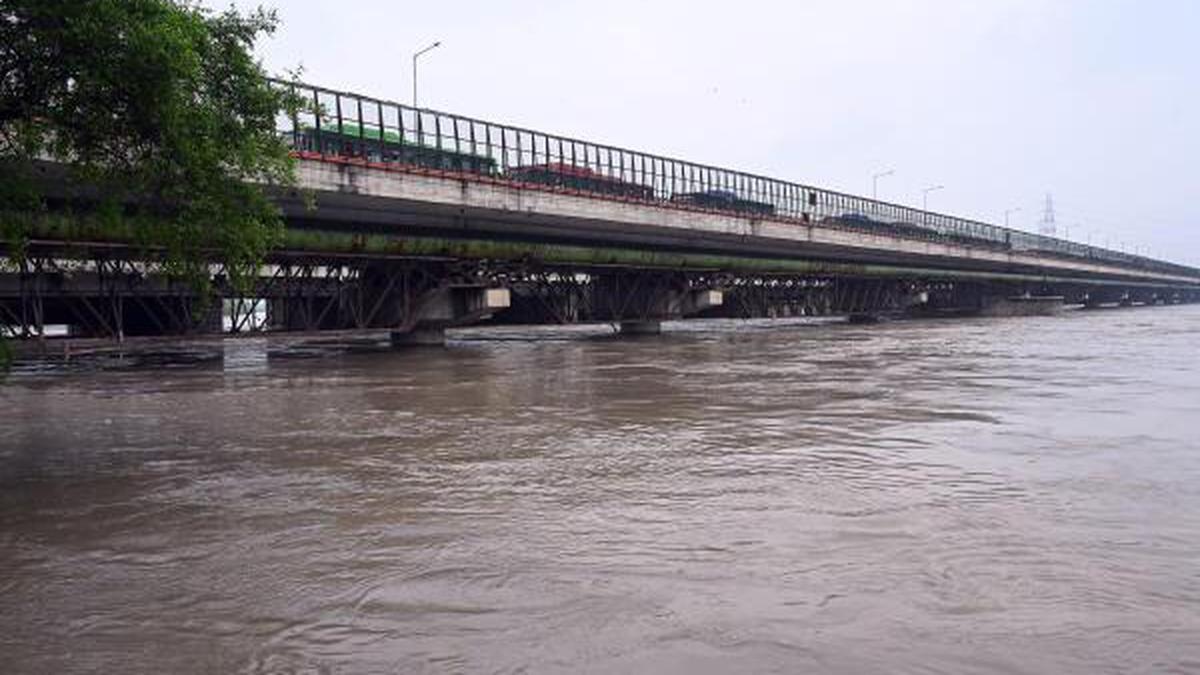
447, 307
640, 308
694, 302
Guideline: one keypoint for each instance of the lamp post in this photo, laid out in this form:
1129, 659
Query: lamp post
1008, 213
875, 182
925, 195
415, 56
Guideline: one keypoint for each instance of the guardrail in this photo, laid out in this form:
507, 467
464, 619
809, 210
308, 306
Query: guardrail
331, 122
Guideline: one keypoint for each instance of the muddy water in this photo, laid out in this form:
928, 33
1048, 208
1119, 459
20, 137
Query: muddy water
985, 496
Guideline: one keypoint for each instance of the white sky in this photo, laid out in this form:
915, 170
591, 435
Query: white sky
1096, 101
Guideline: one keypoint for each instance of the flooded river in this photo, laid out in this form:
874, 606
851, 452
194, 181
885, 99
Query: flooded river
976, 496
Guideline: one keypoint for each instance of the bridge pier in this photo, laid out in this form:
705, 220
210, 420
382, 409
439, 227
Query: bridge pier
677, 305
1106, 297
449, 307
639, 301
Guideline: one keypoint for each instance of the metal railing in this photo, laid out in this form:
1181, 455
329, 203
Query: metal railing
343, 124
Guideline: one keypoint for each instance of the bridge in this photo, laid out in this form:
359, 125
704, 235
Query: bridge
413, 220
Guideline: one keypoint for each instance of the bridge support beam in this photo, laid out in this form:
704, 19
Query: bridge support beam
639, 301
1106, 297
448, 307
677, 306
694, 302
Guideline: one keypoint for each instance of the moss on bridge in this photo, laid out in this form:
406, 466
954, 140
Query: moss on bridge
404, 246
386, 245
76, 234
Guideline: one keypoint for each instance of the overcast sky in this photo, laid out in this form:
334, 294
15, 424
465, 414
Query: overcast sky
1094, 101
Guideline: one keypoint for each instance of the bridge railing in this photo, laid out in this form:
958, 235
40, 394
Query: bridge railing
343, 124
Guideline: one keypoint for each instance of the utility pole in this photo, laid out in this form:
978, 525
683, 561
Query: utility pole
925, 195
415, 57
875, 181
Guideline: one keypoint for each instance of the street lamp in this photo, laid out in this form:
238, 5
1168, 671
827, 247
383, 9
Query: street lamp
875, 182
1008, 213
415, 56
925, 195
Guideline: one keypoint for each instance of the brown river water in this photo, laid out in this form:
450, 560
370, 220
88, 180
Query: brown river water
971, 496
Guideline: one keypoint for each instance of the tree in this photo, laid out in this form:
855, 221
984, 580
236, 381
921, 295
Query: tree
161, 106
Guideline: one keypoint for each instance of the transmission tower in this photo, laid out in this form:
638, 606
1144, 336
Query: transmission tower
1048, 227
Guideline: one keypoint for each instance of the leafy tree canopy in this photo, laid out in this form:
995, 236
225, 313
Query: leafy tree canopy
160, 104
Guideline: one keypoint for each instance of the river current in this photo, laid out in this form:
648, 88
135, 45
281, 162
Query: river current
969, 496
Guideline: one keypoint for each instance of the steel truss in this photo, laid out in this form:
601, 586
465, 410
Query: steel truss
112, 297
108, 294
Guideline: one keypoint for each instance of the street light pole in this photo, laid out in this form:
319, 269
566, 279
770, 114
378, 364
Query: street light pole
925, 195
875, 182
415, 56
1008, 213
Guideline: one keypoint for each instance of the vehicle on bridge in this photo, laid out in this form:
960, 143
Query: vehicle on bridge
366, 142
861, 221
912, 230
724, 200
579, 178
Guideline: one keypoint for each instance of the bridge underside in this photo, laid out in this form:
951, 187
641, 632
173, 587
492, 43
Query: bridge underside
113, 293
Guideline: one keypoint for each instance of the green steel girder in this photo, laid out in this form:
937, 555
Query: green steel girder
76, 235
387, 245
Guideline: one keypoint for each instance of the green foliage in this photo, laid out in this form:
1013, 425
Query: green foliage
161, 106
